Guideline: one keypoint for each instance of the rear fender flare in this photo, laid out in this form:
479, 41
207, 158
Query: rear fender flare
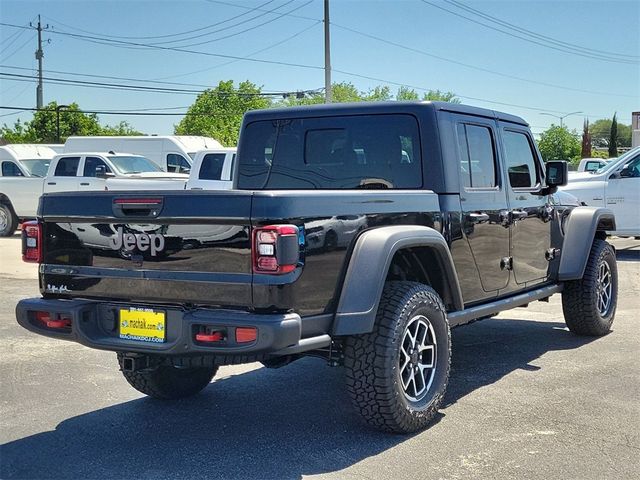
580, 228
368, 268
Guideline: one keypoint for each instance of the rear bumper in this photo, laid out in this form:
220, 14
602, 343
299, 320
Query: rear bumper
95, 324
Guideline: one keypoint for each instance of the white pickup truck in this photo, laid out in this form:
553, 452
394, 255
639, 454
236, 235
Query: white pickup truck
19, 195
615, 186
211, 170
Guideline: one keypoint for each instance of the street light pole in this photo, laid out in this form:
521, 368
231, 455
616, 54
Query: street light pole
58, 107
561, 117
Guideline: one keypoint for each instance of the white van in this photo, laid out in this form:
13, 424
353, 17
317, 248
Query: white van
172, 153
25, 160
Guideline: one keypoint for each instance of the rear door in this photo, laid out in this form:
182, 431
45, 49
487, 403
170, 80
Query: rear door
64, 177
530, 212
211, 173
484, 201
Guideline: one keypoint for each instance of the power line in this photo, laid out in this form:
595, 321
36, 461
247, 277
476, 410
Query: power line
124, 112
474, 67
535, 34
250, 55
95, 39
120, 86
31, 37
530, 40
152, 37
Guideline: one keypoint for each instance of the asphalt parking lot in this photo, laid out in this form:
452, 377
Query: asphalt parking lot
526, 399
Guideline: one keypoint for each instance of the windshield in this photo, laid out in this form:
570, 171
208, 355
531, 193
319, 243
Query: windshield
621, 160
132, 164
37, 167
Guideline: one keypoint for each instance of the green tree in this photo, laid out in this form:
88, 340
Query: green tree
558, 143
119, 129
586, 140
600, 131
613, 137
437, 95
406, 93
217, 112
43, 127
378, 94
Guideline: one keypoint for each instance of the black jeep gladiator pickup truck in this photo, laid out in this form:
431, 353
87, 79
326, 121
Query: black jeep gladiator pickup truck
358, 233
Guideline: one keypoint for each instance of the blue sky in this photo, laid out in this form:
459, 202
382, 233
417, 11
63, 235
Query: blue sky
594, 86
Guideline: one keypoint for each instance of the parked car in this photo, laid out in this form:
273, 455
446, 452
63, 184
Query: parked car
172, 153
616, 186
592, 164
212, 170
25, 160
19, 195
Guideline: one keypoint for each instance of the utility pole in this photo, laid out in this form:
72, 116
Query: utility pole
327, 55
39, 57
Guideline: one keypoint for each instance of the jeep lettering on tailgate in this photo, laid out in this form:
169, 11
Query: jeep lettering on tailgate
141, 241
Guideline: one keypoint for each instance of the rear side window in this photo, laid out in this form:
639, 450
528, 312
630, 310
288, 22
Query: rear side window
521, 162
90, 165
10, 169
177, 163
211, 168
477, 156
346, 152
67, 167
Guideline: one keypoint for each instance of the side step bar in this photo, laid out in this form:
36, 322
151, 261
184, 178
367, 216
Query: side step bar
469, 314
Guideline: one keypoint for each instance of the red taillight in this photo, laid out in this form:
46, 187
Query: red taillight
209, 337
275, 249
246, 334
32, 242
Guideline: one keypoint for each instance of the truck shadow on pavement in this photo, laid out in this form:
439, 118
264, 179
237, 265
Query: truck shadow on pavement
282, 423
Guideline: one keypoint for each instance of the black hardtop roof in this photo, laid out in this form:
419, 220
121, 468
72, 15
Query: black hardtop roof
368, 108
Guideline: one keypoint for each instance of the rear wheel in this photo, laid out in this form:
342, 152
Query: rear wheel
397, 375
168, 382
8, 221
589, 304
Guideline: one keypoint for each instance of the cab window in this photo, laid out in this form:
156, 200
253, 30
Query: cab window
521, 163
92, 163
177, 163
67, 167
211, 168
10, 169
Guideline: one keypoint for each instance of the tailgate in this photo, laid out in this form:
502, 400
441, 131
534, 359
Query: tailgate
169, 247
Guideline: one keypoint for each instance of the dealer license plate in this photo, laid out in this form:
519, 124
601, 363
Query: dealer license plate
143, 324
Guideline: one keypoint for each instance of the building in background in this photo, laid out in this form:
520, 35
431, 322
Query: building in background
635, 129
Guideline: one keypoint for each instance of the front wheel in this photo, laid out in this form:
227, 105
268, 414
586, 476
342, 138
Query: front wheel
589, 304
169, 382
8, 221
397, 375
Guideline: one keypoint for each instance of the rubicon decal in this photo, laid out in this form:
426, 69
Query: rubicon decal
140, 241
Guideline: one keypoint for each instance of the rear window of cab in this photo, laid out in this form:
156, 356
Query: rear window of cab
340, 152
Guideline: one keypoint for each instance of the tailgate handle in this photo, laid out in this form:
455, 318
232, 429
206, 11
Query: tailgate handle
137, 207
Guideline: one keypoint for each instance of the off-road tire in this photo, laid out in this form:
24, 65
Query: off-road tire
372, 361
580, 297
168, 382
9, 221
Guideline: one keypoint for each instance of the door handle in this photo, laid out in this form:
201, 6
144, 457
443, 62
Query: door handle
85, 184
478, 217
505, 218
518, 215
51, 183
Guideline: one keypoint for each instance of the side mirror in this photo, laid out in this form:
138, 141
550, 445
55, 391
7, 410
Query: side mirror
626, 172
101, 172
557, 173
